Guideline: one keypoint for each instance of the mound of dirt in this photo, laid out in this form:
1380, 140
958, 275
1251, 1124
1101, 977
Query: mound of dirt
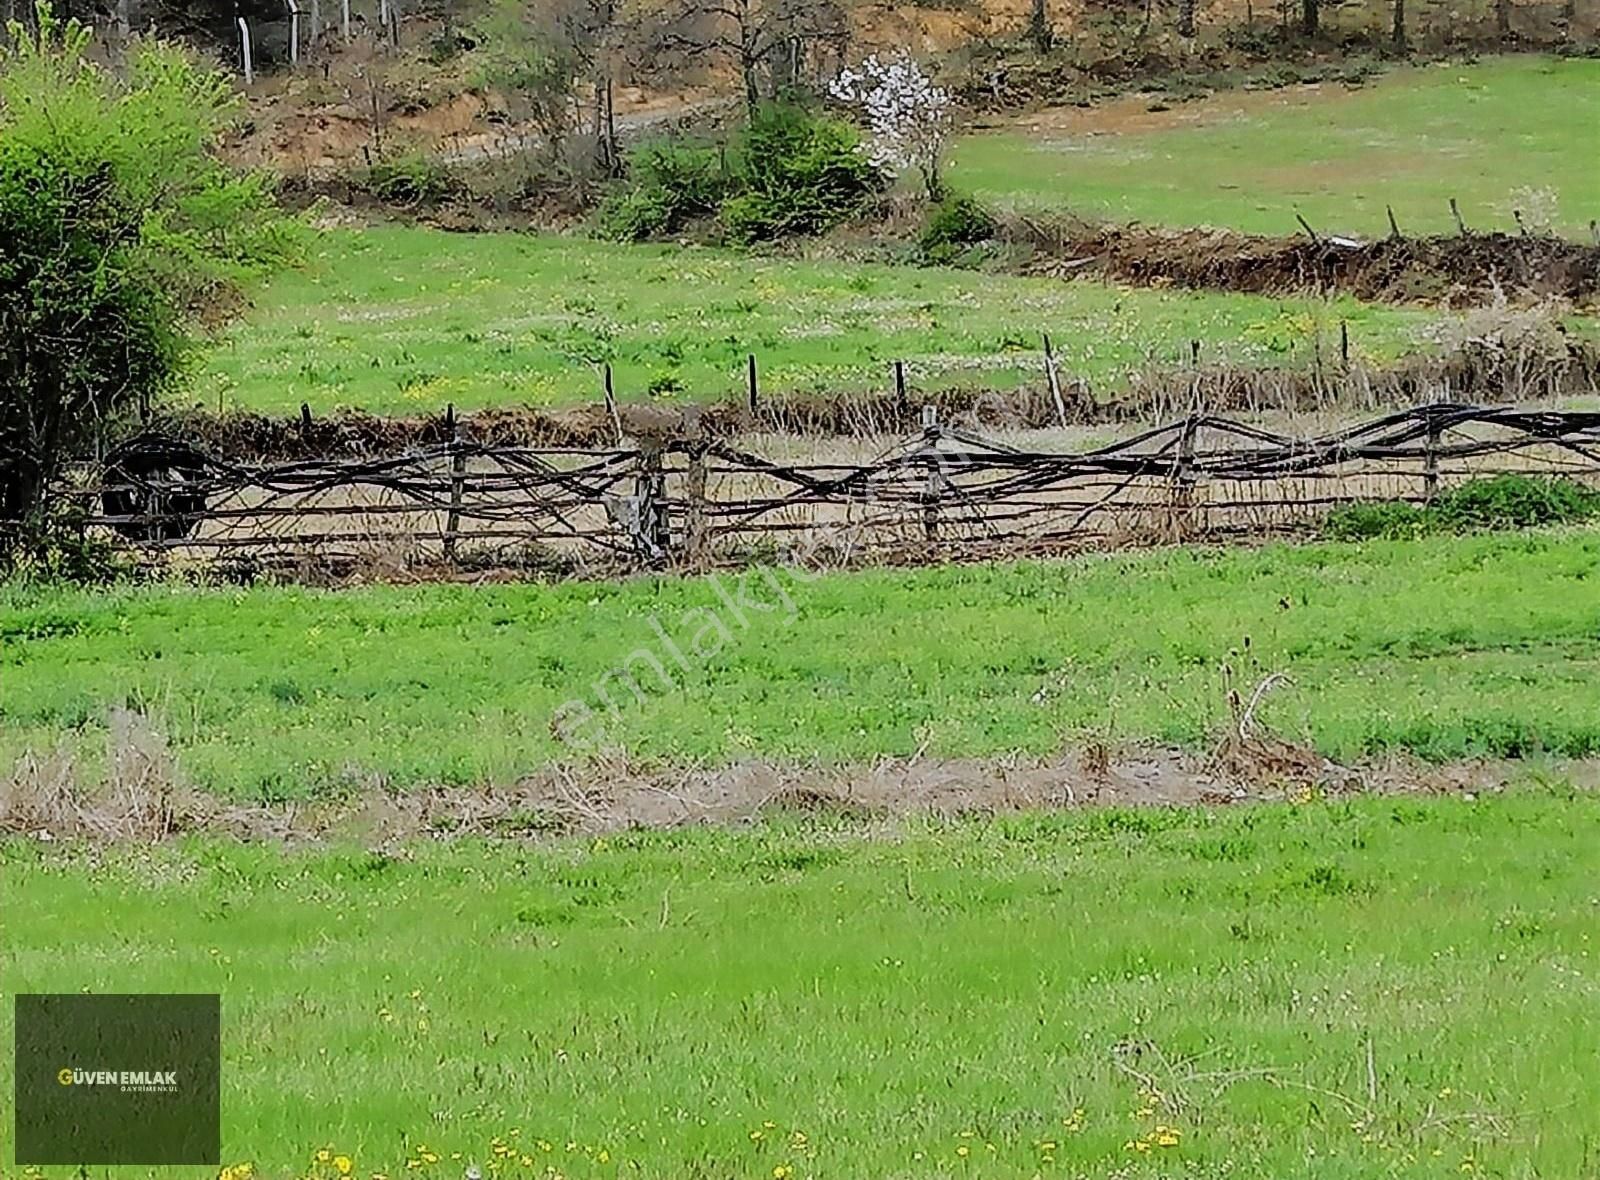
1458, 270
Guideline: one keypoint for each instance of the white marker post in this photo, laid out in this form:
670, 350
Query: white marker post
346, 20
244, 50
294, 33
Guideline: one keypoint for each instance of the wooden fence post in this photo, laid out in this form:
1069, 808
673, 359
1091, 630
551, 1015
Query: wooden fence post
1184, 479
1055, 382
649, 489
695, 535
750, 383
611, 404
900, 384
931, 488
1430, 454
458, 481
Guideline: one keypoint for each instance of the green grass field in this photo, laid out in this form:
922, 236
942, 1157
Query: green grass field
399, 320
1337, 991
1449, 646
1412, 139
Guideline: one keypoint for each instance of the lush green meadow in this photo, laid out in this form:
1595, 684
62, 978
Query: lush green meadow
1447, 646
1338, 991
1412, 139
403, 320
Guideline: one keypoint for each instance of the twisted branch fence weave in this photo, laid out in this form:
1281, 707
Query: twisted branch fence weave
942, 493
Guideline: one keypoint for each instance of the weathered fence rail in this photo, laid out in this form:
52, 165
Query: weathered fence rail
699, 501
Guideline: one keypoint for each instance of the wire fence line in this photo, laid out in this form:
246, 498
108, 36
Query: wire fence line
942, 493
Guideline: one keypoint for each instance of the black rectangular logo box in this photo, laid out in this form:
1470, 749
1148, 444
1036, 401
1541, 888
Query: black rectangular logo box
118, 1079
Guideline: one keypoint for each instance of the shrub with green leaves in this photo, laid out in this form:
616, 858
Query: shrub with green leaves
1515, 501
791, 172
671, 183
120, 230
1497, 502
1394, 519
413, 178
800, 172
954, 225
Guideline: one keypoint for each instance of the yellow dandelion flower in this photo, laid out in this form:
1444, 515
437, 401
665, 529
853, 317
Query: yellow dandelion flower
963, 1151
324, 1155
343, 1164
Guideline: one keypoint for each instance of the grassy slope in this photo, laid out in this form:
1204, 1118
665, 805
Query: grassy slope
398, 320
687, 1003
1412, 139
1448, 646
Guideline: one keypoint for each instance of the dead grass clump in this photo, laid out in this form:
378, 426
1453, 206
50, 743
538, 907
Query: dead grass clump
140, 796
1525, 346
1249, 752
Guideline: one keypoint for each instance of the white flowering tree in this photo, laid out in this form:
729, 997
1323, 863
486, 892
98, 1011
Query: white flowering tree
907, 116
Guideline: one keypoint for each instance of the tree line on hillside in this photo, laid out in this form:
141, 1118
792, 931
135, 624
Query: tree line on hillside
768, 44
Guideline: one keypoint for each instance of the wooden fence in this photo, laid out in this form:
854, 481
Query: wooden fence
942, 493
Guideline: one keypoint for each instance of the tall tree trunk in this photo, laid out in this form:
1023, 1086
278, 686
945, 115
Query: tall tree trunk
750, 68
1398, 34
1502, 18
1186, 18
1039, 30
613, 148
1310, 17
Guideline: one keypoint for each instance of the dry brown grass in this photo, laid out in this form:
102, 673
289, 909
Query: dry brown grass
138, 794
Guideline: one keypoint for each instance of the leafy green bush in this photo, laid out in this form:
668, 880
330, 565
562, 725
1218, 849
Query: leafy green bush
953, 225
1515, 501
792, 172
411, 179
634, 214
120, 227
1497, 502
800, 173
671, 183
1392, 519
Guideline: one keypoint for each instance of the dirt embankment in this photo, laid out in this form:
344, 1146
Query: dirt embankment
1458, 270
